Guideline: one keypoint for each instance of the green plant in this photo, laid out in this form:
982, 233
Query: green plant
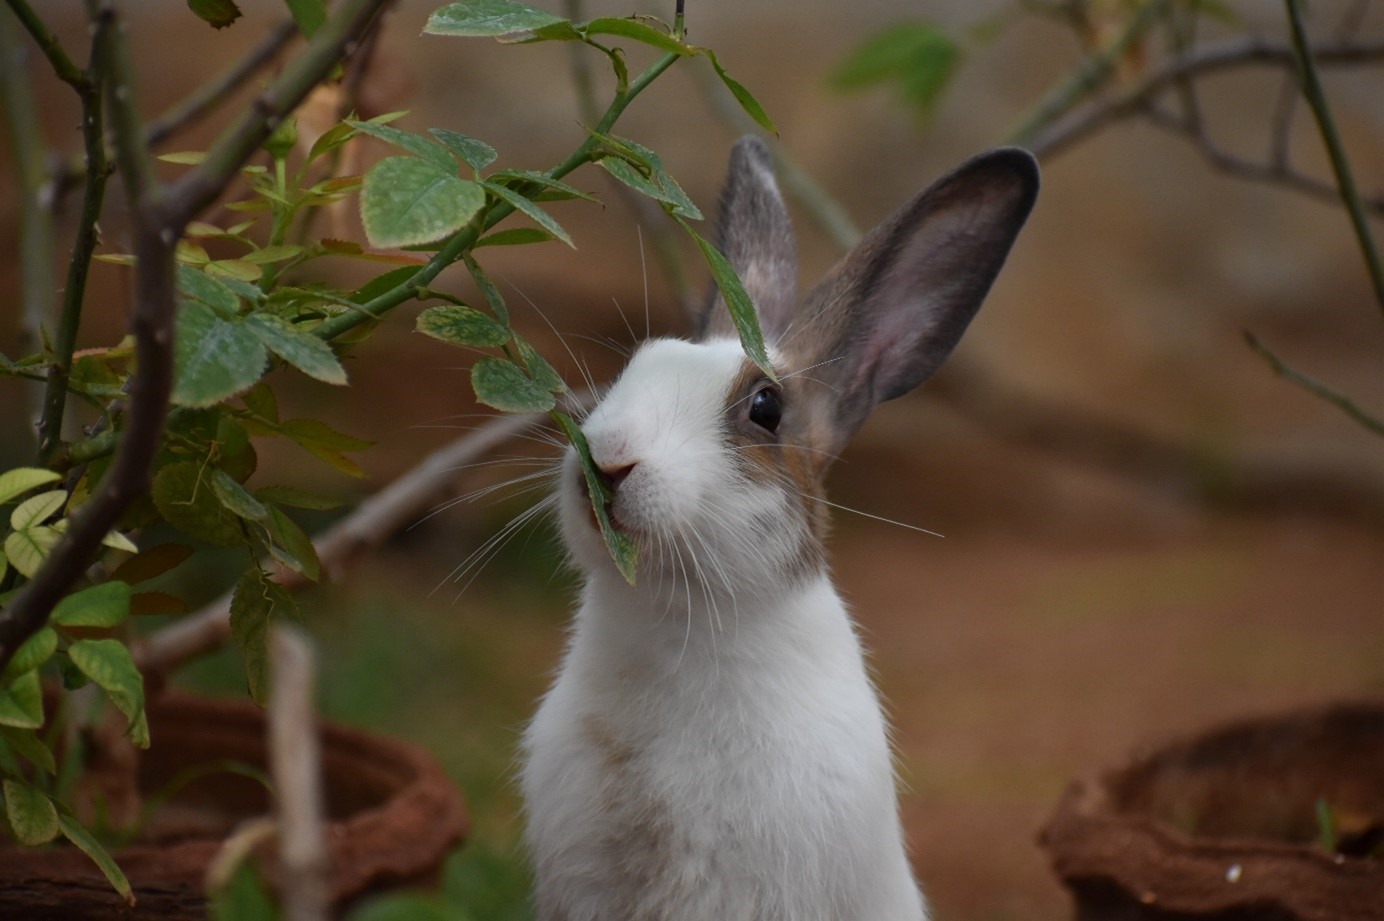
176, 408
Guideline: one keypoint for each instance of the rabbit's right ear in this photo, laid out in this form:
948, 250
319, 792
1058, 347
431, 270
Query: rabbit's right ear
754, 234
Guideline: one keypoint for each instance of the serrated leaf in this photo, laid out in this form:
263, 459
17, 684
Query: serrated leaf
748, 103
234, 269
488, 19
104, 605
308, 15
84, 841
501, 384
214, 358
27, 744
235, 498
267, 255
255, 602
543, 374
196, 285
187, 501
662, 189
461, 325
639, 31
148, 564
21, 702
415, 144
325, 443
30, 812
291, 546
534, 213
475, 154
492, 296
298, 498
20, 480
304, 351
514, 236
622, 550
109, 666
27, 549
741, 308
37, 509
405, 201
32, 653
260, 400
553, 189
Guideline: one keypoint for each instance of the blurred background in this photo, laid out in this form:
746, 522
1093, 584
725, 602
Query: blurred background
1147, 530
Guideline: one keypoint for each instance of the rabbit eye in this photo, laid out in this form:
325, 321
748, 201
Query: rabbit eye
765, 409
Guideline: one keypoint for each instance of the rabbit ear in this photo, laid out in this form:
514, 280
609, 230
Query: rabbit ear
753, 231
889, 314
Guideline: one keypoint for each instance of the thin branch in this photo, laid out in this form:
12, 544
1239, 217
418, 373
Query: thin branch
1315, 387
295, 761
201, 101
96, 173
48, 43
1340, 165
387, 512
159, 217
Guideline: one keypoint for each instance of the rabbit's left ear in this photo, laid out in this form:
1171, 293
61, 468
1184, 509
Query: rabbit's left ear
889, 314
754, 233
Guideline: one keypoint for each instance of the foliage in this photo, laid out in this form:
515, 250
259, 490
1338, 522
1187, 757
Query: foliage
246, 305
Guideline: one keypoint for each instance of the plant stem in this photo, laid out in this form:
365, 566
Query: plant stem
90, 89
1340, 166
464, 239
1090, 75
1314, 386
67, 71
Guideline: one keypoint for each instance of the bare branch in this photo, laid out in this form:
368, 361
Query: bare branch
295, 763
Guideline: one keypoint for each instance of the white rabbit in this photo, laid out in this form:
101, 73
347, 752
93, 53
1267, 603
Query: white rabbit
713, 749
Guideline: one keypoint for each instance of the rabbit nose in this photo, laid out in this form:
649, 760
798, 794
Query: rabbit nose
613, 475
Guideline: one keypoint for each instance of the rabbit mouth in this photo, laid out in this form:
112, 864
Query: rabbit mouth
589, 506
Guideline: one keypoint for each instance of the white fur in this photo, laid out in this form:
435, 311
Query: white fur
712, 749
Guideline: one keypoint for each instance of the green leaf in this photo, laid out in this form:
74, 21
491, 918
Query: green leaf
461, 325
117, 541
308, 14
488, 19
104, 605
260, 400
407, 201
636, 180
297, 498
27, 744
197, 285
493, 300
32, 817
73, 831
37, 509
741, 308
27, 549
246, 897
514, 236
291, 545
542, 373
748, 103
535, 213
216, 13
303, 350
267, 255
148, 564
476, 154
920, 57
415, 144
256, 601
21, 704
639, 31
501, 384
236, 499
622, 550
32, 653
187, 501
108, 664
325, 443
20, 480
553, 189
406, 906
214, 358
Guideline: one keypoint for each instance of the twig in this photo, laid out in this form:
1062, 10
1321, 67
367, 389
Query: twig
377, 518
159, 217
1340, 165
1314, 386
48, 43
296, 766
1092, 72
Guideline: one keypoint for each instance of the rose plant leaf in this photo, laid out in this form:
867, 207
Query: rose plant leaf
501, 384
406, 201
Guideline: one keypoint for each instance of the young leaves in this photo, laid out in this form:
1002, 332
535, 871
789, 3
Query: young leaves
918, 56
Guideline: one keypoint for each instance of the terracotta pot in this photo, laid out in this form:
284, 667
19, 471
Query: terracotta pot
393, 817
1224, 825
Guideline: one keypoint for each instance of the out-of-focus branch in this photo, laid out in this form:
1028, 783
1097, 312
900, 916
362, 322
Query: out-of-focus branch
295, 763
159, 217
1314, 386
390, 510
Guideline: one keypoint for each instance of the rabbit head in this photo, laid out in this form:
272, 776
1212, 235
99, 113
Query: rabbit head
716, 471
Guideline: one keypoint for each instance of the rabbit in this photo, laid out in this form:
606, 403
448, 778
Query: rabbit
713, 748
